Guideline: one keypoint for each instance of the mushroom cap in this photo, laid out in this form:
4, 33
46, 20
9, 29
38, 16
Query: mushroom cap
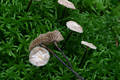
55, 36
90, 45
74, 26
67, 4
46, 39
39, 56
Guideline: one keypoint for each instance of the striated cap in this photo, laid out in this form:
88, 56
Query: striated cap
67, 4
74, 26
46, 39
90, 45
39, 56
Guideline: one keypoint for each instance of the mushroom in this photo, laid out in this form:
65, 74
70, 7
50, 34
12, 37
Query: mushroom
67, 4
73, 26
39, 56
90, 45
39, 52
46, 39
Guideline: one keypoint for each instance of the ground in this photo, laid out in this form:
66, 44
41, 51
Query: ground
100, 20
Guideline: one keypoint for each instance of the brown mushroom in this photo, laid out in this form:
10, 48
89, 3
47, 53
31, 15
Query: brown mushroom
46, 39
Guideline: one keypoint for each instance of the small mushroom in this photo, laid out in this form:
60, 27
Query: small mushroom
74, 26
46, 39
67, 4
90, 45
39, 56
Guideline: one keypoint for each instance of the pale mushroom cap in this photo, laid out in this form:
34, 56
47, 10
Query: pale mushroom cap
39, 56
74, 26
67, 4
90, 45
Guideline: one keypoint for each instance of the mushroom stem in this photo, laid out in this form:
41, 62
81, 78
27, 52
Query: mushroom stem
67, 38
117, 42
29, 4
83, 57
55, 43
77, 75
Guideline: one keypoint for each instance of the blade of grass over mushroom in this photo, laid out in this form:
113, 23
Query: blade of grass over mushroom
63, 54
39, 56
77, 75
67, 4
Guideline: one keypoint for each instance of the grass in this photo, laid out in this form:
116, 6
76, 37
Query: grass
100, 20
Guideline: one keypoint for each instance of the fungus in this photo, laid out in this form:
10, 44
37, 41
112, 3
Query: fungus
73, 26
46, 39
90, 45
39, 52
67, 4
39, 56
